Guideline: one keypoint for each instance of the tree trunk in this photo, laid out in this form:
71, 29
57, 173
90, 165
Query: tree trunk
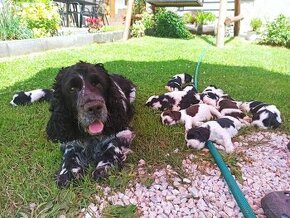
128, 20
221, 26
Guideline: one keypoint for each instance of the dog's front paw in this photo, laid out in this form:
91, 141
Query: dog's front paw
66, 175
62, 179
126, 135
99, 173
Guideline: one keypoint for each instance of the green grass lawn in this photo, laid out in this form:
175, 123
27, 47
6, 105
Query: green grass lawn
29, 162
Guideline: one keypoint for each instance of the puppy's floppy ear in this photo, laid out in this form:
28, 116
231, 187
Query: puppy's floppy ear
176, 115
61, 127
204, 132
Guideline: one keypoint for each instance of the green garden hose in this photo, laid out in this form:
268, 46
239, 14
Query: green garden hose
236, 191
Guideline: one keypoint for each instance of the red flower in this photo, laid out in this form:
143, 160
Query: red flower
94, 20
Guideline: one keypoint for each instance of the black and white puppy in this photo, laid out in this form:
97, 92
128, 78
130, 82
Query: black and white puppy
178, 81
211, 94
24, 98
214, 89
219, 131
231, 108
264, 115
194, 115
176, 100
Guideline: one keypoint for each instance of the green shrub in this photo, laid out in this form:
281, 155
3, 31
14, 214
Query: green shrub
148, 20
202, 18
169, 24
188, 18
137, 29
278, 32
42, 19
10, 25
256, 24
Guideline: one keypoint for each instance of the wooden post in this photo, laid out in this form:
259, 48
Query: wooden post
111, 4
237, 13
221, 26
128, 20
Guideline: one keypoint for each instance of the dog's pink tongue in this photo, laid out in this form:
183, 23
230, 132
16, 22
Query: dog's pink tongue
96, 127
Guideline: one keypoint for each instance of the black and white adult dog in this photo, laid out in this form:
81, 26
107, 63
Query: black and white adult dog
176, 100
178, 81
90, 115
37, 95
219, 131
194, 115
264, 115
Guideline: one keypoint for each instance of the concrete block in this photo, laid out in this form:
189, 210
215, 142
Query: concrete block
83, 39
4, 51
59, 42
26, 46
108, 36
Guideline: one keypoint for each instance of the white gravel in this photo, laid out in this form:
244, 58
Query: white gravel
203, 192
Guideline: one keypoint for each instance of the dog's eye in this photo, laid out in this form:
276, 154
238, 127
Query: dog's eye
75, 85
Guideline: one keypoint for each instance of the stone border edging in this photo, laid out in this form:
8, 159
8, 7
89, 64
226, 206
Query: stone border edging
28, 46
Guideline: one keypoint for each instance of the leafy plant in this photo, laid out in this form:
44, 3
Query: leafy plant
256, 24
202, 17
137, 29
147, 20
42, 19
10, 25
188, 18
278, 32
169, 24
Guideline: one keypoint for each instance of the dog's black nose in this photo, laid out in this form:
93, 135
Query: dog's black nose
92, 107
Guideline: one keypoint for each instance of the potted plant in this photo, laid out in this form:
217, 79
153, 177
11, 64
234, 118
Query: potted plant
94, 24
255, 24
203, 21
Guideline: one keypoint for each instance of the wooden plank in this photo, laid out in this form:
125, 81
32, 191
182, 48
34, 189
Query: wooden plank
237, 13
128, 19
220, 38
112, 4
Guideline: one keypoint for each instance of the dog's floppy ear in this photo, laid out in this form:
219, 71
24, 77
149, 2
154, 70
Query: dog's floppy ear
61, 126
119, 108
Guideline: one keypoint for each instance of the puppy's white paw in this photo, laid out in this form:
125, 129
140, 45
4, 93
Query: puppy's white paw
230, 149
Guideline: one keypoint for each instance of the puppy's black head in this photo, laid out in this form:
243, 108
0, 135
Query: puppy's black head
170, 117
152, 100
21, 98
200, 133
